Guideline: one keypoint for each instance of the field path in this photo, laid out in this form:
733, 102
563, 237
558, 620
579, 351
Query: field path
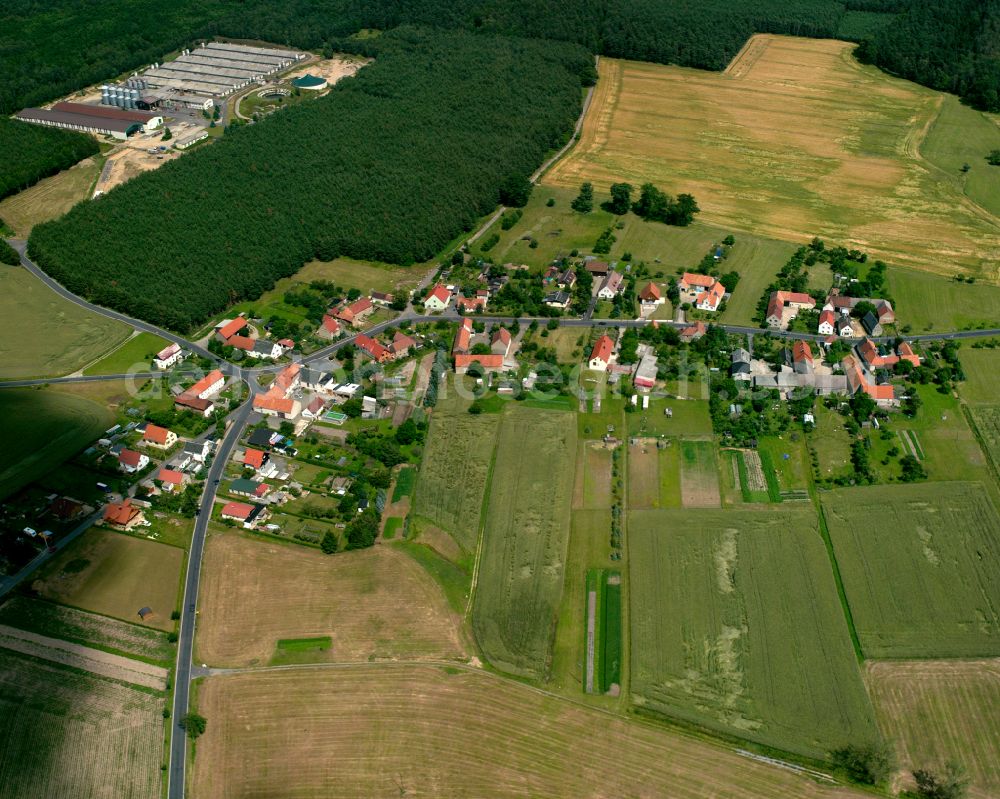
82, 657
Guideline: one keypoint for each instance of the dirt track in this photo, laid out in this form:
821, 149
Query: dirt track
83, 657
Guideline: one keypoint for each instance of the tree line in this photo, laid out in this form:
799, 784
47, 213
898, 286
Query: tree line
49, 50
390, 166
29, 153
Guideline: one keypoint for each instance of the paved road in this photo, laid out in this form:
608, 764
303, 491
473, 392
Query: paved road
192, 580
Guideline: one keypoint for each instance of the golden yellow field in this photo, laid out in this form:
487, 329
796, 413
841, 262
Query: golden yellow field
795, 139
940, 710
49, 198
373, 603
391, 730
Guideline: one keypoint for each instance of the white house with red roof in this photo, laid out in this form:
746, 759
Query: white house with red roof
196, 398
437, 299
650, 296
501, 341
123, 515
168, 356
130, 461
704, 292
602, 353
171, 479
247, 515
611, 286
159, 437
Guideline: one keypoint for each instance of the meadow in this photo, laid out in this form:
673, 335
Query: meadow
736, 625
384, 730
917, 563
927, 303
961, 135
136, 354
375, 603
654, 475
520, 576
981, 367
68, 733
42, 430
114, 574
43, 335
455, 469
50, 198
699, 474
795, 139
941, 710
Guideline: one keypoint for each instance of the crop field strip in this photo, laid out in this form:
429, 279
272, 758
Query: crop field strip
375, 603
918, 564
89, 629
736, 625
804, 142
377, 730
455, 470
941, 710
67, 733
603, 645
525, 539
699, 475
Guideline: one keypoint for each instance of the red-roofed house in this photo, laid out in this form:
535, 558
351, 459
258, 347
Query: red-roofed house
314, 409
160, 437
501, 341
471, 304
802, 358
329, 328
859, 380
171, 479
254, 458
130, 461
784, 306
693, 332
709, 299
168, 356
373, 349
611, 286
230, 327
490, 363
650, 296
123, 515
600, 356
464, 337
244, 343
906, 353
288, 378
827, 323
249, 515
274, 404
437, 299
402, 344
356, 313
209, 385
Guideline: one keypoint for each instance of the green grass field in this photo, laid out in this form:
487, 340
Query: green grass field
136, 354
982, 376
67, 733
689, 418
405, 481
736, 625
43, 335
525, 540
115, 575
42, 430
961, 135
930, 303
918, 564
455, 470
289, 651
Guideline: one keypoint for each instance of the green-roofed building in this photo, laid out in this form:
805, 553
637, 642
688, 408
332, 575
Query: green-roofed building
247, 488
310, 83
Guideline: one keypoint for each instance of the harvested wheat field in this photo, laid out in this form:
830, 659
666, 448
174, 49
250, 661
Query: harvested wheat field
374, 603
391, 730
796, 139
940, 710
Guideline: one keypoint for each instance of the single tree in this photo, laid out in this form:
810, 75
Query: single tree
993, 159
584, 201
167, 135
621, 199
329, 544
193, 724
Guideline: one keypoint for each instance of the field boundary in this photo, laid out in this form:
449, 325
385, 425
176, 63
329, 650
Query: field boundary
84, 658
